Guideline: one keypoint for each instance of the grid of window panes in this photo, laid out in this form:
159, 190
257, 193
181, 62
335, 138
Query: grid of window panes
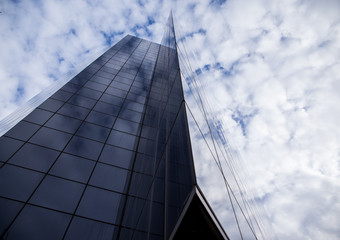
107, 156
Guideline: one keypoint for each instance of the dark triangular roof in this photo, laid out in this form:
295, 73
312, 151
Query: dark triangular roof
197, 220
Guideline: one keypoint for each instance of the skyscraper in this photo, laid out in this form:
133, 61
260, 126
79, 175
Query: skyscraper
108, 155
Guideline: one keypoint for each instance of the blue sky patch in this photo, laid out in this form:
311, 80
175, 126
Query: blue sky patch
243, 119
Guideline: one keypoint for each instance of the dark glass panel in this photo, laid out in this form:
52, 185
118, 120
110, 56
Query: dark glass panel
51, 138
81, 78
121, 139
51, 105
133, 214
149, 147
18, 183
119, 80
117, 156
34, 157
72, 167
134, 106
95, 86
107, 108
144, 164
63, 123
61, 95
112, 99
8, 210
8, 146
82, 101
121, 86
107, 72
94, 132
39, 224
130, 115
126, 126
140, 185
101, 80
23, 130
74, 111
116, 92
136, 98
100, 119
38, 116
101, 205
84, 147
90, 93
57, 193
70, 87
106, 176
82, 228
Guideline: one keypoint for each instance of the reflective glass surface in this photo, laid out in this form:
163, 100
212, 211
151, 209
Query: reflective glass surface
38, 116
51, 138
100, 205
34, 157
114, 140
73, 167
8, 147
38, 223
23, 130
18, 183
82, 228
57, 193
84, 147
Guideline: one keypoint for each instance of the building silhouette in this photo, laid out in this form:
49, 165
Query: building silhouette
108, 155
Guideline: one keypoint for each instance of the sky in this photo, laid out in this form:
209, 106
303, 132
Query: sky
269, 69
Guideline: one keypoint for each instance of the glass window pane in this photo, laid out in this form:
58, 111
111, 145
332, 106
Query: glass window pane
72, 167
117, 156
82, 228
74, 111
82, 101
39, 224
130, 115
93, 131
126, 126
8, 147
18, 183
23, 130
107, 108
116, 92
108, 73
101, 205
63, 123
95, 86
51, 105
59, 194
100, 119
70, 87
112, 99
34, 157
101, 80
134, 106
61, 95
121, 139
112, 178
38, 116
8, 209
51, 138
90, 93
84, 147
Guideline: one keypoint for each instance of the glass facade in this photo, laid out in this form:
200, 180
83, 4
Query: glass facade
107, 156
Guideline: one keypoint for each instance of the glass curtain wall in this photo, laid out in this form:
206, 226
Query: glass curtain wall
107, 156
